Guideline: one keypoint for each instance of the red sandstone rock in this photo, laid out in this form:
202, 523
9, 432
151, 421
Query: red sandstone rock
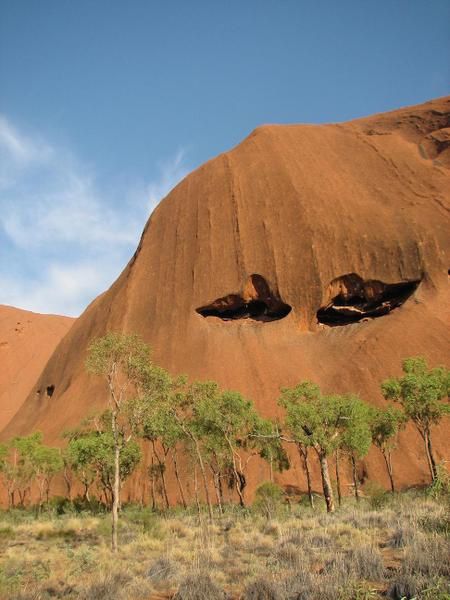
349, 218
27, 341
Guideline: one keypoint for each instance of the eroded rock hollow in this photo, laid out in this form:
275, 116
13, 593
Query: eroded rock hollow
354, 299
256, 302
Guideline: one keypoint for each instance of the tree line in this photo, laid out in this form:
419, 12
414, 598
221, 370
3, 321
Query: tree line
218, 431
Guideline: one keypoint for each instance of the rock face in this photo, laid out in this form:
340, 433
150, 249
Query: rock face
27, 341
307, 252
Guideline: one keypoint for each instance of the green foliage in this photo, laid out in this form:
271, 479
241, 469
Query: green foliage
268, 498
420, 391
326, 422
377, 495
267, 435
311, 418
385, 426
355, 417
25, 459
440, 488
91, 456
118, 354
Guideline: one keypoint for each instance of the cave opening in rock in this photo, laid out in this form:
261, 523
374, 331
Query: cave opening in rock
262, 304
357, 299
50, 390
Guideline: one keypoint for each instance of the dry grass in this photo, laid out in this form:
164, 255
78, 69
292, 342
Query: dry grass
360, 553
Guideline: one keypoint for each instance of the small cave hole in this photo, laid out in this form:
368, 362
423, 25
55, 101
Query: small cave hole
264, 305
50, 390
358, 300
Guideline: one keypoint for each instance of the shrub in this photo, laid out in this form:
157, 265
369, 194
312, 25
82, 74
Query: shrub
360, 563
262, 589
268, 497
288, 555
110, 587
401, 537
428, 556
406, 587
367, 563
199, 587
163, 569
440, 488
378, 497
300, 586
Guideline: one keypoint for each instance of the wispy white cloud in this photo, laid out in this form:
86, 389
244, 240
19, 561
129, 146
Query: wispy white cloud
69, 238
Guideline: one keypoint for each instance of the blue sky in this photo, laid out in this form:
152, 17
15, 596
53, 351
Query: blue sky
105, 105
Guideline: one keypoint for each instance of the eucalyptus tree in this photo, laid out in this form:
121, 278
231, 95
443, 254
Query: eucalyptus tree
231, 424
164, 433
355, 434
181, 404
121, 360
385, 426
421, 392
80, 456
313, 421
8, 473
23, 465
47, 462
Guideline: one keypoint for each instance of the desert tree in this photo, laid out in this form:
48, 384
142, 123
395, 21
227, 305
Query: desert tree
9, 472
163, 433
162, 409
46, 462
421, 392
104, 465
90, 455
236, 430
25, 459
23, 467
181, 404
80, 457
315, 421
269, 445
385, 425
355, 438
120, 359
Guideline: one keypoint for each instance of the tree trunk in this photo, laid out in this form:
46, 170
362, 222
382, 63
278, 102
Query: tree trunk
430, 457
338, 478
237, 478
68, 483
22, 496
216, 480
303, 451
162, 468
86, 492
116, 485
326, 482
197, 501
177, 475
152, 482
221, 488
388, 460
355, 477
41, 496
205, 481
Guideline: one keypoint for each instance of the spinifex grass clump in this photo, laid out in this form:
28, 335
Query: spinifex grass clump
300, 553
